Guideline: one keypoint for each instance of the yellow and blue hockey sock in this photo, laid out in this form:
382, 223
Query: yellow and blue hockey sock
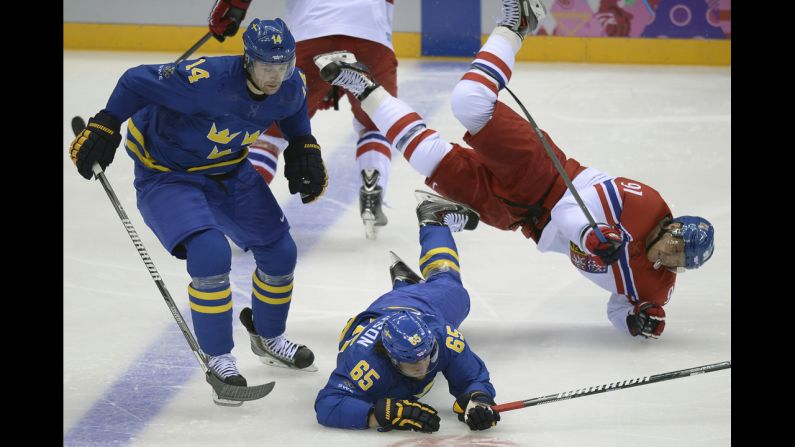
209, 260
270, 302
211, 309
439, 253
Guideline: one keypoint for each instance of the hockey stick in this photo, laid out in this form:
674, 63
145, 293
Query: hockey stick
333, 96
613, 386
559, 167
234, 18
223, 390
193, 48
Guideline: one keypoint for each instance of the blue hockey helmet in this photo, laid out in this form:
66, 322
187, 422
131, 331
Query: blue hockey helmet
407, 338
699, 238
269, 52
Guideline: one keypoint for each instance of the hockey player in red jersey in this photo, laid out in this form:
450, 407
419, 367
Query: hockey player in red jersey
511, 181
363, 27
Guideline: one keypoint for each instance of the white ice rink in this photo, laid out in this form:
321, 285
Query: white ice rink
130, 377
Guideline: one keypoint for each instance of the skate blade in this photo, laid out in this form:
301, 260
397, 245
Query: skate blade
269, 361
539, 10
368, 218
321, 60
224, 402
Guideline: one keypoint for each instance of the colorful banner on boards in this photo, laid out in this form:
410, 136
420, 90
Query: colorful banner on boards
675, 19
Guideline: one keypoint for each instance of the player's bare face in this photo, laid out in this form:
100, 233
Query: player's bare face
416, 370
268, 77
668, 252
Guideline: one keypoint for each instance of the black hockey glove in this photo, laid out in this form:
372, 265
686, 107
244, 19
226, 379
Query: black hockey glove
304, 168
474, 409
404, 414
96, 143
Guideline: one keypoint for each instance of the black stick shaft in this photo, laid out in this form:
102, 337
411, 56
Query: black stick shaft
560, 169
613, 386
150, 266
239, 393
194, 47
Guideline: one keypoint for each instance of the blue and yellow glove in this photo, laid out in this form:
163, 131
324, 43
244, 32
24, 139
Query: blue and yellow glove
96, 143
404, 414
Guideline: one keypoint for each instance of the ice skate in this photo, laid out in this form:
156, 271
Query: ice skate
436, 210
370, 203
277, 351
340, 68
400, 271
522, 16
223, 367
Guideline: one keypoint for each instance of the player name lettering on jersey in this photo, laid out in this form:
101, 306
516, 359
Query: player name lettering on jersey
371, 335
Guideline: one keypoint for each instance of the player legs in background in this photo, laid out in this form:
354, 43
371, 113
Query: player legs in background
510, 153
373, 153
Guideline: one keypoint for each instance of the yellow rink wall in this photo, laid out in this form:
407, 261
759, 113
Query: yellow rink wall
118, 37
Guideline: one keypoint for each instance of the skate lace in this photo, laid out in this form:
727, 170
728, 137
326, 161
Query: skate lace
224, 365
351, 80
455, 221
511, 16
372, 199
281, 347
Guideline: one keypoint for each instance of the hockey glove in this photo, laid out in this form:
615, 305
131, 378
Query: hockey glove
608, 251
96, 143
475, 410
226, 17
304, 168
646, 319
404, 414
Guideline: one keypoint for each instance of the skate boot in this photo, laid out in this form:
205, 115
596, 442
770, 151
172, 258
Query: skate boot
399, 271
340, 68
436, 210
370, 198
277, 351
522, 16
223, 367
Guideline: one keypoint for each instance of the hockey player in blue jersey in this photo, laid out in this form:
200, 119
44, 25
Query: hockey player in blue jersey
188, 130
390, 354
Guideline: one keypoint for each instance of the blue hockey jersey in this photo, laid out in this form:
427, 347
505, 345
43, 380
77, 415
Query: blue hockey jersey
363, 376
198, 116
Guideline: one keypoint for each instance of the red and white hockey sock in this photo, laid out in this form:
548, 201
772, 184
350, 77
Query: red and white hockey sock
496, 58
474, 96
264, 155
406, 131
373, 151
